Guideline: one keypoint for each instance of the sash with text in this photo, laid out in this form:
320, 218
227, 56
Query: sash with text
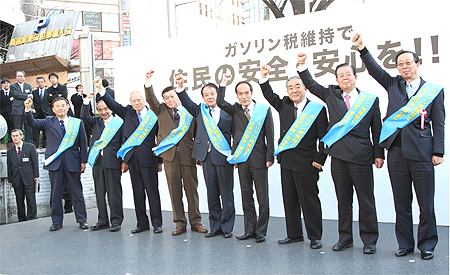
107, 134
68, 140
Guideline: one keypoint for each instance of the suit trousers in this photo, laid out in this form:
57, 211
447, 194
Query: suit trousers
37, 134
403, 174
145, 179
347, 175
249, 175
179, 176
219, 185
18, 122
107, 183
57, 179
25, 192
301, 194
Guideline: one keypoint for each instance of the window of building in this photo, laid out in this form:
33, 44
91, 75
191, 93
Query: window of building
201, 8
93, 20
206, 10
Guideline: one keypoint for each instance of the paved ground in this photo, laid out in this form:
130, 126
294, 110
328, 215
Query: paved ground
30, 248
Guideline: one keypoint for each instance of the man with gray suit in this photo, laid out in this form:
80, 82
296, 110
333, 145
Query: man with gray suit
253, 148
21, 91
415, 144
217, 171
23, 171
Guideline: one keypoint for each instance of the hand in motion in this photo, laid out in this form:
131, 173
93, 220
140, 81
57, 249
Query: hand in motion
265, 70
357, 40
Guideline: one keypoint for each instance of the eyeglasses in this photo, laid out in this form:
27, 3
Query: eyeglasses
407, 63
344, 75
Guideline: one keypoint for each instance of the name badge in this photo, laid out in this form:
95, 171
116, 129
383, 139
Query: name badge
27, 91
25, 160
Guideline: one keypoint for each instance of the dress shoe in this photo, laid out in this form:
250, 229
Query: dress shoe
260, 238
369, 249
157, 230
246, 236
199, 228
114, 227
342, 246
83, 225
140, 229
99, 226
426, 254
227, 235
315, 244
213, 233
178, 231
56, 227
403, 252
289, 240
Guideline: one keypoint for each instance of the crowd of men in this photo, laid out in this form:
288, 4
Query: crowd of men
219, 136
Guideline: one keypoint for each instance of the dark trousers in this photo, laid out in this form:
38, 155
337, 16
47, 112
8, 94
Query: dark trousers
57, 179
347, 175
219, 185
107, 183
405, 173
249, 175
26, 192
18, 122
145, 179
301, 193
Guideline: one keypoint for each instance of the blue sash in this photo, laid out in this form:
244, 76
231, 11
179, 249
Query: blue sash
215, 135
300, 127
139, 135
107, 134
177, 134
73, 126
353, 116
250, 135
410, 111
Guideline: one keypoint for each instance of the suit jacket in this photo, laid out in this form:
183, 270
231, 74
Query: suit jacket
77, 102
108, 91
73, 156
144, 152
264, 146
166, 124
202, 141
355, 146
25, 166
19, 97
416, 143
6, 104
110, 151
300, 158
40, 106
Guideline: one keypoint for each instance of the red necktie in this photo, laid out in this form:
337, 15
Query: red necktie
18, 151
347, 101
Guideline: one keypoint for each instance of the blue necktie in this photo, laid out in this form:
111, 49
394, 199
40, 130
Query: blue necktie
63, 129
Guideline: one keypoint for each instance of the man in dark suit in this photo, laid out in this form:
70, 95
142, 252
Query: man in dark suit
300, 166
413, 150
217, 171
21, 91
179, 166
6, 106
40, 109
23, 171
107, 169
105, 85
253, 171
77, 102
352, 155
64, 163
56, 90
143, 165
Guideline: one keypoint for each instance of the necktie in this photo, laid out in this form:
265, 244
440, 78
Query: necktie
409, 90
295, 112
247, 114
18, 151
63, 129
41, 94
176, 116
139, 117
347, 101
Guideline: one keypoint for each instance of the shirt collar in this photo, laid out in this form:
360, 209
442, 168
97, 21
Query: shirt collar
20, 145
250, 107
301, 105
352, 94
415, 84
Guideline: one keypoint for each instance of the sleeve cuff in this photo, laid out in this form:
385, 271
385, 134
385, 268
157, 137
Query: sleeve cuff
86, 101
178, 90
302, 68
263, 80
147, 84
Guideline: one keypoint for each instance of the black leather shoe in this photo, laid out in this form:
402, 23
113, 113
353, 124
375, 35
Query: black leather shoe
227, 235
213, 233
291, 240
260, 238
157, 230
114, 227
246, 236
426, 254
369, 249
56, 227
140, 229
315, 244
403, 252
99, 226
83, 225
342, 246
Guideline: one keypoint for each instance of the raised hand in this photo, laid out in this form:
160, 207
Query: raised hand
148, 75
357, 40
90, 95
28, 102
179, 79
265, 70
225, 78
301, 58
98, 83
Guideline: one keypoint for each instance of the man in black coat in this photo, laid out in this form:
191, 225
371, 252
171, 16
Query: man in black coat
21, 91
40, 109
6, 102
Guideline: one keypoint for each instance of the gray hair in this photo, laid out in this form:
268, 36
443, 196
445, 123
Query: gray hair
291, 78
135, 91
